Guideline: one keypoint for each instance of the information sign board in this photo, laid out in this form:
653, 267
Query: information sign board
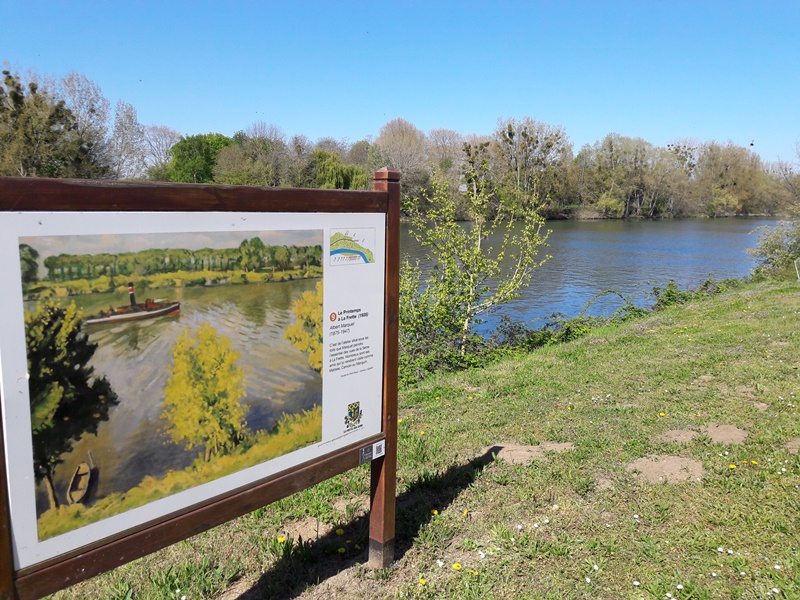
174, 356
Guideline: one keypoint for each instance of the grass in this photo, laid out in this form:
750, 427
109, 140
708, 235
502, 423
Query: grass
574, 524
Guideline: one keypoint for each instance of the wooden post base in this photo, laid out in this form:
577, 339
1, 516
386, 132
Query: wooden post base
381, 555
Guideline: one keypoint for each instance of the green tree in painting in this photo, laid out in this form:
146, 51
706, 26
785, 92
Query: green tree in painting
204, 392
67, 400
252, 251
306, 333
29, 266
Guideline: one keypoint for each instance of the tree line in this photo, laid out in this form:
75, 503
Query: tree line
252, 255
64, 128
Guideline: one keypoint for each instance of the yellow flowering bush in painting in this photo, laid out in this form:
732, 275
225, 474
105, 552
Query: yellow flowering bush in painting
203, 396
306, 333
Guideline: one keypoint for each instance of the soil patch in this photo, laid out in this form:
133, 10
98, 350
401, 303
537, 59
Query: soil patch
238, 591
793, 446
309, 528
344, 584
667, 469
604, 483
726, 434
521, 455
681, 436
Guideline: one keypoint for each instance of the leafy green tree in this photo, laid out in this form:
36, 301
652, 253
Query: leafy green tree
252, 252
729, 180
203, 398
67, 399
34, 130
306, 332
467, 278
329, 172
533, 157
234, 167
29, 264
281, 257
40, 136
194, 157
610, 206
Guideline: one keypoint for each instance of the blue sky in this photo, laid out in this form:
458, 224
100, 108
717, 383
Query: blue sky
724, 71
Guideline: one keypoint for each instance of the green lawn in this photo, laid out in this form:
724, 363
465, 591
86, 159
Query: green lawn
576, 523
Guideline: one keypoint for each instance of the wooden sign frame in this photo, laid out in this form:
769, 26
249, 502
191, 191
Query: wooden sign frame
54, 196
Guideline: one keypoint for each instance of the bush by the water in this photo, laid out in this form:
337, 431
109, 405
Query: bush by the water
777, 250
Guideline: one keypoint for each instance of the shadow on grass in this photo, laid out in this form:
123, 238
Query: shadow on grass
312, 562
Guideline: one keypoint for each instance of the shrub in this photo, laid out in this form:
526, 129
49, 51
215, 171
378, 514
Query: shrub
777, 249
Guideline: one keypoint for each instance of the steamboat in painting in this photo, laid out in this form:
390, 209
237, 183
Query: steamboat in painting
135, 312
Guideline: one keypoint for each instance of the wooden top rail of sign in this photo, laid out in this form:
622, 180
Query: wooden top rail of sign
52, 195
25, 193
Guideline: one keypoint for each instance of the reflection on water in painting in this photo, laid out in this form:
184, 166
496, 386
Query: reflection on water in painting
136, 356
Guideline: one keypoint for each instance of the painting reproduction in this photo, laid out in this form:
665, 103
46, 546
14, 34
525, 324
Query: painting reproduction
158, 362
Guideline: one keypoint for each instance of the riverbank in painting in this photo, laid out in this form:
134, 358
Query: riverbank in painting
290, 433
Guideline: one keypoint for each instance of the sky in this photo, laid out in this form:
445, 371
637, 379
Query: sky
116, 243
668, 70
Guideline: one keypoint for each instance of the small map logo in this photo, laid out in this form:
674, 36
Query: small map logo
353, 418
352, 246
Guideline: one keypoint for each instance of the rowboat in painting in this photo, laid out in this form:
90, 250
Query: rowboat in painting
135, 311
79, 484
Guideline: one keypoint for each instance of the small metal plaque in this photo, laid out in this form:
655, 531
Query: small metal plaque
372, 452
365, 455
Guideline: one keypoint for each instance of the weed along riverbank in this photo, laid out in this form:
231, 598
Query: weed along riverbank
649, 459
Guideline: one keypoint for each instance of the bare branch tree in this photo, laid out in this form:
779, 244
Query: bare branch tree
127, 143
158, 140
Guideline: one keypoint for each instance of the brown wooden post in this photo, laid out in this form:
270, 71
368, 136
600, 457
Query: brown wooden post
383, 484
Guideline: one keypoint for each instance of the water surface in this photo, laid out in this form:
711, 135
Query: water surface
136, 356
631, 257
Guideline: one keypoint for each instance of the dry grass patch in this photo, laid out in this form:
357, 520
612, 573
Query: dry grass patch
725, 434
680, 436
667, 469
515, 454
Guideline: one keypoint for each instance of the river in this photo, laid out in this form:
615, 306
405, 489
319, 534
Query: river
135, 357
630, 257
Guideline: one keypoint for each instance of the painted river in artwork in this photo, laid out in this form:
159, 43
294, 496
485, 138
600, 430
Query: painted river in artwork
135, 357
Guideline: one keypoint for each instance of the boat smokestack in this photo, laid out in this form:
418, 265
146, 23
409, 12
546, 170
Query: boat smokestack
131, 294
